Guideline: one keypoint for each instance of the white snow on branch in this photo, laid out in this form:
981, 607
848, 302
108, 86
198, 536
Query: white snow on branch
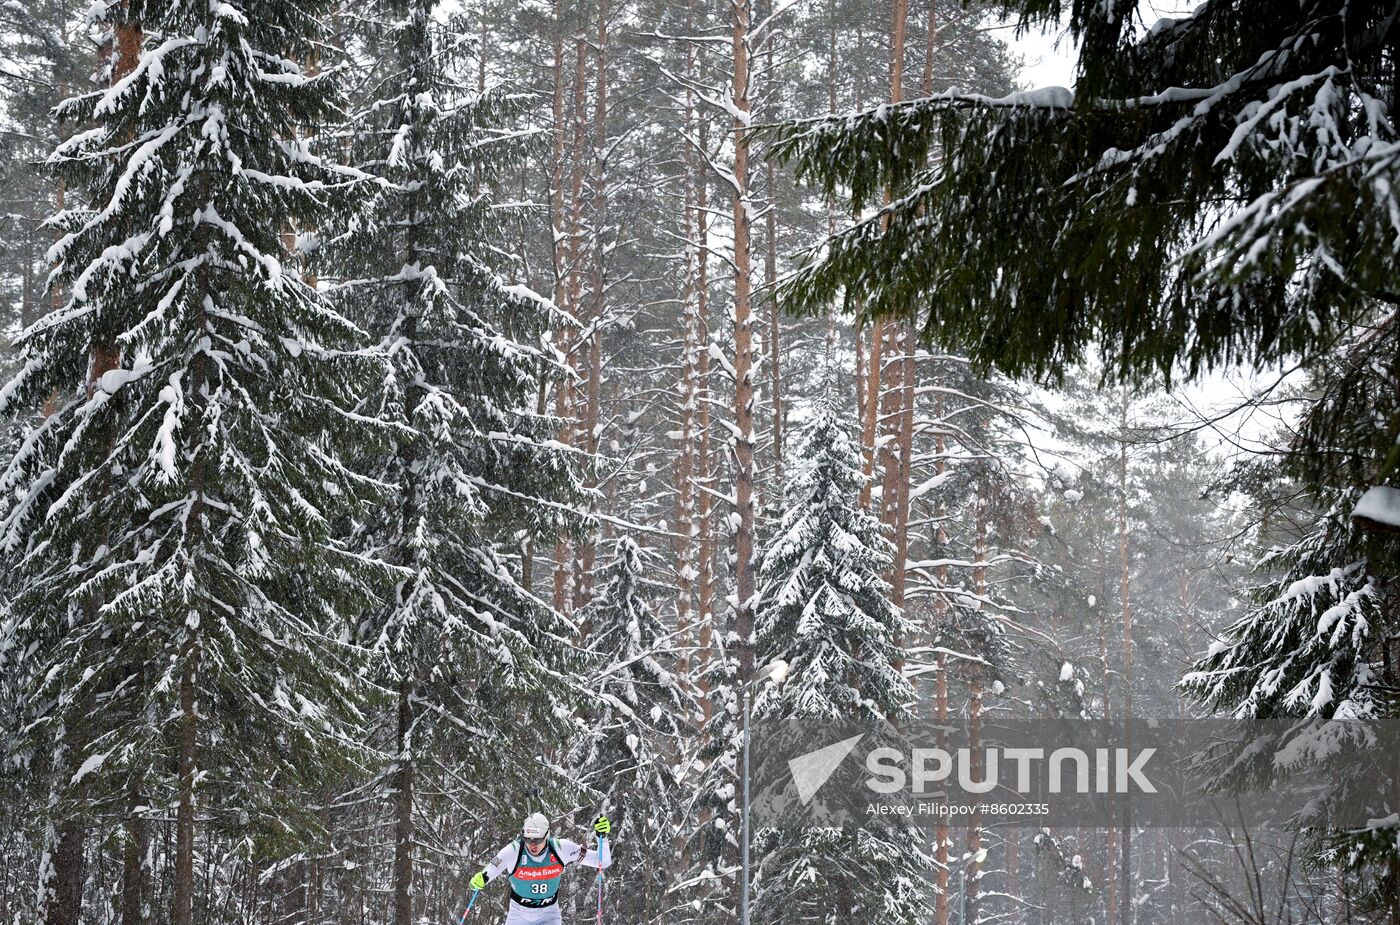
93, 763
1380, 505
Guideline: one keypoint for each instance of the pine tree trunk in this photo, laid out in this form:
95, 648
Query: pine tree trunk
897, 32
972, 896
972, 903
705, 599
684, 543
941, 830
560, 598
878, 401
904, 465
564, 402
871, 410
1176, 875
598, 281
1392, 891
831, 341
481, 49
559, 257
691, 341
890, 420
884, 403
743, 361
775, 351
860, 380
743, 348
403, 810
576, 157
906, 454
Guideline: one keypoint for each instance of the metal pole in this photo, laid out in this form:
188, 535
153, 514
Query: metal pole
744, 845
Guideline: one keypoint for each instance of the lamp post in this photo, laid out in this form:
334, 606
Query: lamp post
775, 671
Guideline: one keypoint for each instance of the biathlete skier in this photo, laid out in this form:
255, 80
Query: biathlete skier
535, 863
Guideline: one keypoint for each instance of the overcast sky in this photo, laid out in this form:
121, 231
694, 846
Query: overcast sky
1049, 61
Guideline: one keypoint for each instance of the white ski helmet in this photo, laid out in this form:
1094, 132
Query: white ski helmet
536, 826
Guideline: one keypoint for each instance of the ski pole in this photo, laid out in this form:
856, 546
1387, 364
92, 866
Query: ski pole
471, 902
600, 881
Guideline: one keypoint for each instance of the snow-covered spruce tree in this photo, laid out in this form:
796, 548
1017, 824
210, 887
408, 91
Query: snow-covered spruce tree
1232, 171
1312, 648
640, 738
824, 608
473, 658
1308, 651
167, 521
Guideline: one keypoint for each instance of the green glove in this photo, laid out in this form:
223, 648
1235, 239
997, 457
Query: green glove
479, 880
601, 825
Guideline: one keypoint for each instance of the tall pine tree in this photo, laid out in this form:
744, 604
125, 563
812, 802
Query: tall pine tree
824, 608
168, 523
471, 655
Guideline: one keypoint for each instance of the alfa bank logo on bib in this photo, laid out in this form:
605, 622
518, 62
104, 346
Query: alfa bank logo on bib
539, 873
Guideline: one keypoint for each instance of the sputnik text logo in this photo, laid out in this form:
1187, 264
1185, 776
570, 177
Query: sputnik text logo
1061, 770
